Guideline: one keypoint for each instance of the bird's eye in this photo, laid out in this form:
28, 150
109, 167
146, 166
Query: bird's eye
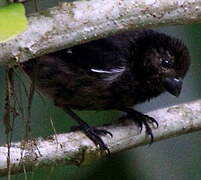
166, 63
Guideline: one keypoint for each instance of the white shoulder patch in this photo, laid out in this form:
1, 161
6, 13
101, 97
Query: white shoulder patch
110, 74
111, 71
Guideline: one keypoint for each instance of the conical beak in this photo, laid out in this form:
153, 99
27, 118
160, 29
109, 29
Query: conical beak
172, 85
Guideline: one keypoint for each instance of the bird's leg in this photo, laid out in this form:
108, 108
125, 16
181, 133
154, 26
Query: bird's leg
91, 132
141, 119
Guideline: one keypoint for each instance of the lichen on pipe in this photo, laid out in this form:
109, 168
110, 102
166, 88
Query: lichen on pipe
77, 22
75, 148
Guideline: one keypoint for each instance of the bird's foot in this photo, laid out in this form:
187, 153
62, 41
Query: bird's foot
94, 134
142, 119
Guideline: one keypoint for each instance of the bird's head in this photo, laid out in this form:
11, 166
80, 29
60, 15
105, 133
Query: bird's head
162, 61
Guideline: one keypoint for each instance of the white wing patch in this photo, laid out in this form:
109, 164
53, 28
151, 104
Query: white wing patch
111, 74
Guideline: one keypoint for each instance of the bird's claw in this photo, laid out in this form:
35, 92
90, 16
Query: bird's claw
141, 119
94, 134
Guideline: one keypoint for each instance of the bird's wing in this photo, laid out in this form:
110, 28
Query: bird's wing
106, 58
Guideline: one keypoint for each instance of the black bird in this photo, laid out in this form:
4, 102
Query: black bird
113, 73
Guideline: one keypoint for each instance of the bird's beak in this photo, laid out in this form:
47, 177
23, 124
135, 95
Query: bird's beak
172, 85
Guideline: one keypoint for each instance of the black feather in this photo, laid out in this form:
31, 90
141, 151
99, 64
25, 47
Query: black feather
117, 72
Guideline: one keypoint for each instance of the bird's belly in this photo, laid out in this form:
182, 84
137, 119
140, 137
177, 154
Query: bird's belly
78, 92
86, 94
85, 98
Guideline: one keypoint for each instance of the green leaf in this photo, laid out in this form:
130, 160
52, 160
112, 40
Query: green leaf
12, 21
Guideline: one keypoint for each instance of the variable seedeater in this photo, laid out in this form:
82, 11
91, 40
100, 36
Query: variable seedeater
113, 73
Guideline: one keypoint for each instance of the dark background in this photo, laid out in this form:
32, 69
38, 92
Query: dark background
177, 158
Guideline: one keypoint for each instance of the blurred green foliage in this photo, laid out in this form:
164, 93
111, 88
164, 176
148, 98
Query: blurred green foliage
12, 21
